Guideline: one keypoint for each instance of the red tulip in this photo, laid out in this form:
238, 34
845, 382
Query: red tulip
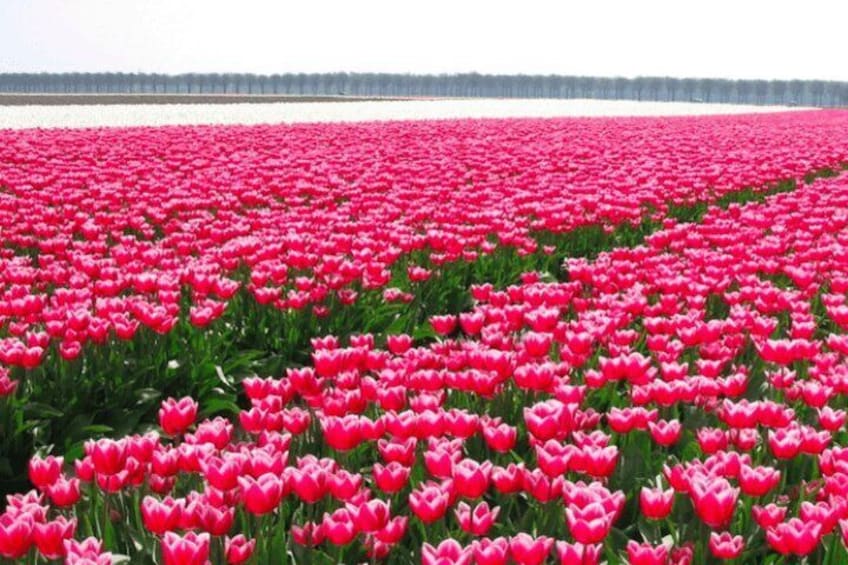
309, 484
785, 443
370, 516
589, 525
490, 551
509, 479
540, 486
448, 552
471, 479
86, 552
342, 433
221, 473
49, 537
191, 549
64, 492
527, 550
309, 535
794, 537
402, 452
339, 527
216, 521
7, 385
665, 433
393, 531
344, 485
261, 495
656, 503
43, 473
176, 416
429, 503
161, 516
238, 549
443, 325
392, 477
769, 515
714, 501
757, 481
725, 545
478, 521
16, 535
646, 554
398, 344
107, 456
578, 554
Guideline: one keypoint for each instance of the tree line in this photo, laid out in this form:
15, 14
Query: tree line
792, 92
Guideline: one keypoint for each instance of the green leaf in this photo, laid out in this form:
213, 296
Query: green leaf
74, 452
147, 395
214, 406
397, 326
424, 331
5, 467
228, 381
26, 425
98, 429
40, 410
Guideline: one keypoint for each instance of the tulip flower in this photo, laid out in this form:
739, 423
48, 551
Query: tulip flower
714, 501
527, 550
86, 552
238, 549
16, 535
577, 553
478, 521
176, 416
471, 479
261, 495
370, 516
7, 385
509, 479
769, 515
646, 554
309, 534
107, 456
429, 503
725, 545
655, 503
109, 231
490, 551
216, 521
191, 549
43, 473
757, 481
665, 433
589, 525
448, 552
794, 537
339, 527
161, 516
49, 537
392, 477
344, 485
64, 492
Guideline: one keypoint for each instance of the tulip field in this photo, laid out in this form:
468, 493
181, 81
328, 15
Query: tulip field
501, 341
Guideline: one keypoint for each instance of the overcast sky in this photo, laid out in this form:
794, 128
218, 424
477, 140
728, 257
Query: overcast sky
716, 38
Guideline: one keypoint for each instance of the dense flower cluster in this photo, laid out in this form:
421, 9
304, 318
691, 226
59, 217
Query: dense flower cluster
692, 386
106, 230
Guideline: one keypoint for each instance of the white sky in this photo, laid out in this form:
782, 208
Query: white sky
708, 38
